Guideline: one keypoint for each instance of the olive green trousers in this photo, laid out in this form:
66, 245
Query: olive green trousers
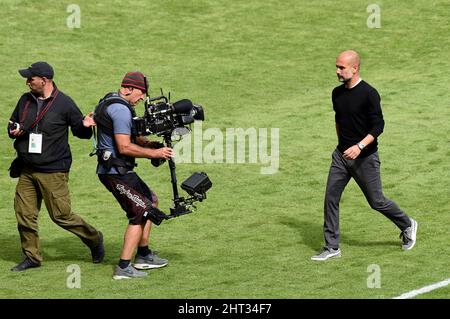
53, 188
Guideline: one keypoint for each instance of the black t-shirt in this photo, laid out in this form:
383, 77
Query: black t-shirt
358, 113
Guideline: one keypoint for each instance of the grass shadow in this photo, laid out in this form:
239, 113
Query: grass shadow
68, 248
11, 250
312, 235
372, 243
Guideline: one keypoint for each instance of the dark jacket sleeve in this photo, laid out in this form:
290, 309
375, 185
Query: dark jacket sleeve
375, 114
15, 116
76, 121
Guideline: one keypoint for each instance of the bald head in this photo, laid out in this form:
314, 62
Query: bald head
347, 67
350, 57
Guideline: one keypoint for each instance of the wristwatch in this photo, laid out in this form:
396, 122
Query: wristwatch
361, 146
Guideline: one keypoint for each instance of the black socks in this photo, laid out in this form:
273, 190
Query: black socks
143, 251
124, 263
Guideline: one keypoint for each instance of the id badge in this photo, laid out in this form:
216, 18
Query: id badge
35, 145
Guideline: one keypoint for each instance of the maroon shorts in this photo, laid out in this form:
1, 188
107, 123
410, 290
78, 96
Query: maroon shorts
133, 195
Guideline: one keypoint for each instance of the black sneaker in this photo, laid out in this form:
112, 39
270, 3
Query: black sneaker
27, 263
98, 252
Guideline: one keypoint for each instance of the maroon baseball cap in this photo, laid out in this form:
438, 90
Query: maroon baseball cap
41, 69
137, 80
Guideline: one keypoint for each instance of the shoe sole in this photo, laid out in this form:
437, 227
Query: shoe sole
328, 257
119, 277
414, 225
20, 270
147, 266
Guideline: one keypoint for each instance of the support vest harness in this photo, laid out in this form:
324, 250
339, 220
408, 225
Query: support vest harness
122, 163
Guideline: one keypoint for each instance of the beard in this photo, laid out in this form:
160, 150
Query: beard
342, 79
37, 90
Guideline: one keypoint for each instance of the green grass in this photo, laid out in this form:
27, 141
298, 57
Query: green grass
250, 64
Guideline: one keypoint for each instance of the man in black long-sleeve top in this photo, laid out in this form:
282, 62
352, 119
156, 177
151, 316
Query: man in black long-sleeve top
359, 122
39, 124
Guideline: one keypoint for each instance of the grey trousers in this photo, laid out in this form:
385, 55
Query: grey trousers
366, 173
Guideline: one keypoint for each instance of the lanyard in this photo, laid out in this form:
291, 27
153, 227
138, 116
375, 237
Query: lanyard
41, 113
25, 113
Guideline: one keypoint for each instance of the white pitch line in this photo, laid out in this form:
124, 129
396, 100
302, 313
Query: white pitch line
423, 290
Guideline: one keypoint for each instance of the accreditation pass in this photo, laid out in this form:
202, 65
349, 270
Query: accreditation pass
35, 143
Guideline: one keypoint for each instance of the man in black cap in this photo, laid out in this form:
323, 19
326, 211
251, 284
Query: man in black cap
39, 124
118, 146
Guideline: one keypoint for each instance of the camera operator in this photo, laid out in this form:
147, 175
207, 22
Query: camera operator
39, 125
118, 146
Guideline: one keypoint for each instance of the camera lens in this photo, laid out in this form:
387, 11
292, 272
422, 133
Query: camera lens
14, 126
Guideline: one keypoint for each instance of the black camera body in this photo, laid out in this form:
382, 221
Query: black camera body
12, 126
161, 118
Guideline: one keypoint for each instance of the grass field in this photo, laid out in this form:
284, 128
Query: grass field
251, 64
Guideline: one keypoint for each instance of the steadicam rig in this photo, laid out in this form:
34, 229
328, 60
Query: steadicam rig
163, 119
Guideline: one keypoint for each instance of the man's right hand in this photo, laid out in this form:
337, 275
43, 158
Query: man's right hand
126, 147
15, 132
163, 152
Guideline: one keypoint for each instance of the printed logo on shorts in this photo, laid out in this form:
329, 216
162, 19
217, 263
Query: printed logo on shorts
134, 198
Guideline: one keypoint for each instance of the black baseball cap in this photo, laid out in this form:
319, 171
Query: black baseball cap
41, 69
